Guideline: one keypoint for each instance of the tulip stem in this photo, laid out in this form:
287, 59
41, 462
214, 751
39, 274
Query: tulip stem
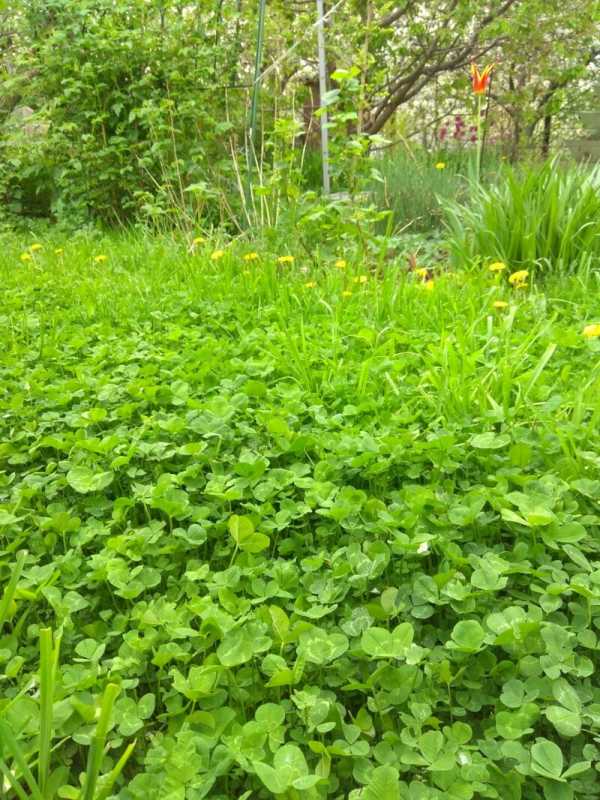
486, 115
482, 128
479, 142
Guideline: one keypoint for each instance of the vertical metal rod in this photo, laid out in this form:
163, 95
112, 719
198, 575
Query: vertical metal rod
260, 36
322, 93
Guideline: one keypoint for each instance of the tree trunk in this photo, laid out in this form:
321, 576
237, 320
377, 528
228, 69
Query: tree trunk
516, 140
312, 124
547, 135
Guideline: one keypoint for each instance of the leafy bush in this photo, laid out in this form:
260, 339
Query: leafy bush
546, 217
25, 174
135, 112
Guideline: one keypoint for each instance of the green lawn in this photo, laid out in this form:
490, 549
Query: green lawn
333, 533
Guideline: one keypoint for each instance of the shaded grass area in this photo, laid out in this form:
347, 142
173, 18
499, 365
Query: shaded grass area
415, 185
333, 533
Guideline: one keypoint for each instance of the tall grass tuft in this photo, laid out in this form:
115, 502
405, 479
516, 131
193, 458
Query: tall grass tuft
18, 773
414, 190
545, 217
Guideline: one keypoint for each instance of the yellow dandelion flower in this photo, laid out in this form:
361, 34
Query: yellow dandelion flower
428, 285
251, 256
360, 279
25, 257
497, 266
285, 260
519, 278
198, 240
310, 285
100, 259
500, 304
591, 331
35, 247
59, 251
440, 165
422, 272
341, 263
217, 255
346, 293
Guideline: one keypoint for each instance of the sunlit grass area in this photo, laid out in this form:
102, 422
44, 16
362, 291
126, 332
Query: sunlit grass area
302, 528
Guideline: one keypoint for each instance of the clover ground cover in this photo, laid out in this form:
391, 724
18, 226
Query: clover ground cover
331, 533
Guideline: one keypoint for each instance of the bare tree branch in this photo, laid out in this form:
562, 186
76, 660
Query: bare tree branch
434, 58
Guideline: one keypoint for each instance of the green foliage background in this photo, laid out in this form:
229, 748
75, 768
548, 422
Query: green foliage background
141, 108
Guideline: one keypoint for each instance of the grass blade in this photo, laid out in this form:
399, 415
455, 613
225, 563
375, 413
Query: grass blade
546, 356
112, 776
48, 663
96, 751
11, 588
17, 788
9, 742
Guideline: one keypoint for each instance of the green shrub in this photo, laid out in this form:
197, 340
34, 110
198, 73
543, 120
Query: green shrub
546, 217
133, 107
25, 176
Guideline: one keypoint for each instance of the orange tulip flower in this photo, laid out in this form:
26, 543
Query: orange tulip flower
481, 80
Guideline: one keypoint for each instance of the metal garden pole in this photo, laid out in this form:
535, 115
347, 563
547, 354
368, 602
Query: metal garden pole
322, 93
260, 37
